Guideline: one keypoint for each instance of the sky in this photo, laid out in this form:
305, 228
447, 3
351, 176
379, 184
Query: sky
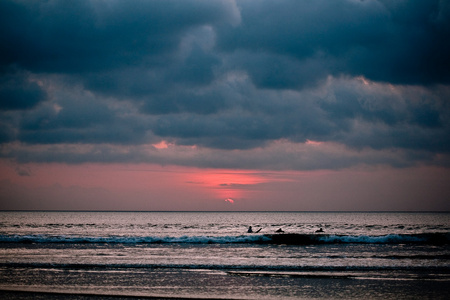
287, 105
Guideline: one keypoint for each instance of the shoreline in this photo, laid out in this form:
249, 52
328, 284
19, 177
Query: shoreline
21, 293
155, 285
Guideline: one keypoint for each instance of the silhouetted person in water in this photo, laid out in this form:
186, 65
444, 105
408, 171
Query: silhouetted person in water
250, 230
279, 230
319, 230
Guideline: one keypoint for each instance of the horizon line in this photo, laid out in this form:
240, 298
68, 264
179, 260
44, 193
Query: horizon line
231, 211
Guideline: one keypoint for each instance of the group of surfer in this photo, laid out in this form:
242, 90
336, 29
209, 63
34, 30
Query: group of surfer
250, 230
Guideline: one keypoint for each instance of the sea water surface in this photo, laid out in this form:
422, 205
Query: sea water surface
211, 255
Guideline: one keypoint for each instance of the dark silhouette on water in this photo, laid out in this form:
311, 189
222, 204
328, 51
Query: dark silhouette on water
280, 230
250, 230
319, 230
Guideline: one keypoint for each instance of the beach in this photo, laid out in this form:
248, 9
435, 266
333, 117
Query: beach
179, 284
101, 255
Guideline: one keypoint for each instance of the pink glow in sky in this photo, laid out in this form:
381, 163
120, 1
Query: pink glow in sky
152, 187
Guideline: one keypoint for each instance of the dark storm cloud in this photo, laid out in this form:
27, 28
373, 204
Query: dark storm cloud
224, 75
80, 118
402, 42
18, 92
404, 116
249, 122
84, 36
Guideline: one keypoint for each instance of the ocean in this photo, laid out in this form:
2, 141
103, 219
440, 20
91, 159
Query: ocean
211, 255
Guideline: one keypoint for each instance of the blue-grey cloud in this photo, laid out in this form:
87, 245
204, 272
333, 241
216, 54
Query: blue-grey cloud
19, 92
85, 36
226, 76
393, 41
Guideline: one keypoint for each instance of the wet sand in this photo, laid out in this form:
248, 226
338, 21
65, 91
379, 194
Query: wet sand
189, 284
22, 295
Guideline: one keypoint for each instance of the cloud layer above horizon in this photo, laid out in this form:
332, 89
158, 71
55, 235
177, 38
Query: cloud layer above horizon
226, 84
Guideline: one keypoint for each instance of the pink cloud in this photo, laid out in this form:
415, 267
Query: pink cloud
229, 200
152, 187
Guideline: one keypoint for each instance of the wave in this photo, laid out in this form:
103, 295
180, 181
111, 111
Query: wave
305, 239
228, 267
135, 239
279, 239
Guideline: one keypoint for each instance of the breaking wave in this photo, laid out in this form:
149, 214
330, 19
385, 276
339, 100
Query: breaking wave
288, 239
